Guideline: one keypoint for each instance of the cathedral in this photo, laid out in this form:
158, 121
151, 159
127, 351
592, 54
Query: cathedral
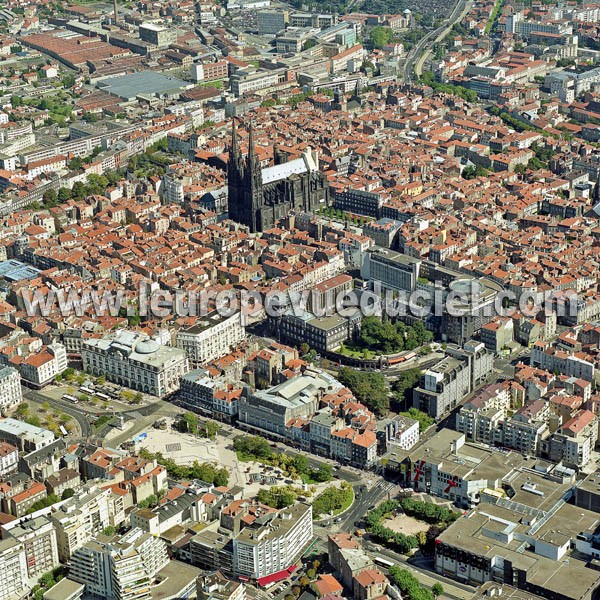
259, 197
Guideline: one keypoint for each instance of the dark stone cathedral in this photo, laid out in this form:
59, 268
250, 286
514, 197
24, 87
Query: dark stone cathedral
259, 197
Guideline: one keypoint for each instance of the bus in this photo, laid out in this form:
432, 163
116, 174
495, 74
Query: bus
70, 398
384, 562
102, 396
86, 390
63, 430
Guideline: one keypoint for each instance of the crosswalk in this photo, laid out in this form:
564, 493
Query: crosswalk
383, 486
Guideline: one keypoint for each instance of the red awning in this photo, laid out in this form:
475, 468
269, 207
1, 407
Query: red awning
275, 577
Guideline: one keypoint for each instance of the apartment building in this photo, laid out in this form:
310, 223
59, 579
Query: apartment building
217, 587
20, 503
13, 574
575, 440
10, 388
136, 361
38, 538
9, 458
273, 545
553, 359
39, 369
212, 337
362, 202
80, 518
122, 568
213, 397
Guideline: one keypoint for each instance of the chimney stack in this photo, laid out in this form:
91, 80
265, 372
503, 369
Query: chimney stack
115, 10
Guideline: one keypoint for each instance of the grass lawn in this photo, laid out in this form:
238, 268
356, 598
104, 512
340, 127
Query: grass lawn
244, 457
347, 504
356, 351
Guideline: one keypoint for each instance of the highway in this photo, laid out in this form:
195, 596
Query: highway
416, 56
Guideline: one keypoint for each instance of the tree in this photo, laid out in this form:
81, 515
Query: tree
109, 530
69, 373
368, 387
211, 428
425, 421
521, 169
277, 497
50, 198
189, 422
64, 194
406, 381
68, 493
43, 503
332, 499
380, 36
323, 473
253, 447
22, 410
437, 589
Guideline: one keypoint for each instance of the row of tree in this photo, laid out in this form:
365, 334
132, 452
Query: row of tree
190, 423
428, 512
438, 516
206, 472
410, 587
253, 447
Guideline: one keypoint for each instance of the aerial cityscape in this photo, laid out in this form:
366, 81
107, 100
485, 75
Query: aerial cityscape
299, 300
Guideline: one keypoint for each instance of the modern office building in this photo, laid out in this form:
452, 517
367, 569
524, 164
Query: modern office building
445, 384
134, 360
271, 22
392, 270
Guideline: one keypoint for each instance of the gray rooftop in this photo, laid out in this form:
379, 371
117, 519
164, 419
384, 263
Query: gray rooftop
128, 87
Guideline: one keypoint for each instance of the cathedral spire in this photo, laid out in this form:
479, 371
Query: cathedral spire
252, 158
234, 144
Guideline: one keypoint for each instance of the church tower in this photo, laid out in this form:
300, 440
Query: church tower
244, 183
